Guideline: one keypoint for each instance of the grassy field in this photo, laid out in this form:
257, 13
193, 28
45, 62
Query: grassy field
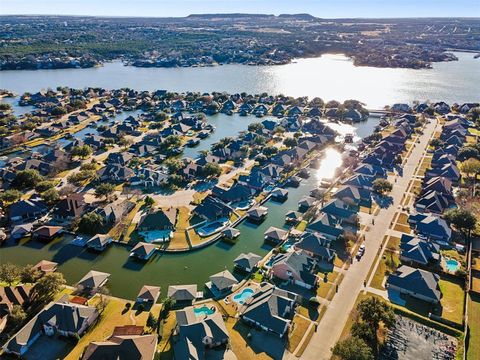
473, 351
452, 301
179, 239
387, 264
238, 335
300, 326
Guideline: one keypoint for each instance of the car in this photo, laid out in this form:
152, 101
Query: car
359, 255
362, 248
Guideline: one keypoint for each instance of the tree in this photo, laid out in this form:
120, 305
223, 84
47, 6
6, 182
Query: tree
211, 170
29, 274
152, 321
83, 151
48, 286
9, 273
174, 165
26, 179
381, 186
269, 151
149, 201
90, 223
11, 196
58, 111
104, 190
363, 331
471, 167
353, 348
16, 316
255, 127
125, 142
468, 152
463, 220
436, 143
44, 185
171, 141
51, 196
373, 311
290, 142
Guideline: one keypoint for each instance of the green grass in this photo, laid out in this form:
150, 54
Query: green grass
452, 300
473, 351
388, 264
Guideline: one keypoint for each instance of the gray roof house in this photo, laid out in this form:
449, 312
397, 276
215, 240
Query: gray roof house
247, 262
417, 251
183, 293
197, 335
297, 267
148, 294
98, 242
143, 251
270, 308
135, 347
61, 318
316, 245
221, 282
275, 234
93, 280
417, 283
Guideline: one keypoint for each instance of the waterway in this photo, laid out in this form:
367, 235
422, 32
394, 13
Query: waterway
329, 77
167, 269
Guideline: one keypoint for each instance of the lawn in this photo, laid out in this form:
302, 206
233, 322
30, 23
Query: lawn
179, 239
473, 351
300, 326
306, 342
238, 333
387, 264
113, 315
324, 291
393, 243
452, 301
164, 346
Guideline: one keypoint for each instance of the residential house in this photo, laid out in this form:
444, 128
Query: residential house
417, 283
341, 210
92, 281
316, 245
158, 220
275, 234
134, 347
431, 226
270, 308
183, 294
247, 262
98, 242
143, 251
221, 282
148, 295
47, 233
71, 207
416, 251
115, 173
296, 267
11, 296
24, 210
212, 209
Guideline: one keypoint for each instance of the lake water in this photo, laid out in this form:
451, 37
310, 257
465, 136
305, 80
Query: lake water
329, 77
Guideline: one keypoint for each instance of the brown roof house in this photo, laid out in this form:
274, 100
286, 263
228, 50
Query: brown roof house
9, 297
116, 347
148, 295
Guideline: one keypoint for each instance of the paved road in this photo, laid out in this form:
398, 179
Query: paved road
334, 319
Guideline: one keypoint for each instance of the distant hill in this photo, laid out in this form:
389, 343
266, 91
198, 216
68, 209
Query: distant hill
243, 15
298, 16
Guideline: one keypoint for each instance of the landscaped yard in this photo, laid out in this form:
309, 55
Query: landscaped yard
113, 315
324, 291
474, 326
179, 239
388, 264
452, 300
300, 326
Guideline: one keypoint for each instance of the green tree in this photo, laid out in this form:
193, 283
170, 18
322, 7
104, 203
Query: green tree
463, 220
255, 127
269, 151
290, 142
152, 321
9, 273
353, 348
16, 316
29, 274
48, 286
149, 201
211, 170
374, 311
381, 186
58, 111
174, 165
11, 196
104, 190
50, 196
90, 223
26, 179
171, 142
44, 185
82, 152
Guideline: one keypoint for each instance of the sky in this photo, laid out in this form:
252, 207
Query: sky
319, 8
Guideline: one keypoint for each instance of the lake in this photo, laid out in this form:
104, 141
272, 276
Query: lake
329, 77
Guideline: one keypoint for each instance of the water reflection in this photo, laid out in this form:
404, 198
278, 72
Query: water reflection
331, 161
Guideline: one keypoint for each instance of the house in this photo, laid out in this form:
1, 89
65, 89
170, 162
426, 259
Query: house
119, 158
114, 212
115, 173
247, 262
296, 267
20, 231
183, 294
275, 234
341, 210
71, 207
354, 196
371, 170
279, 194
46, 266
257, 213
148, 295
431, 226
98, 242
417, 283
360, 180
327, 225
414, 250
270, 308
212, 209
62, 318
47, 233
11, 296
434, 202
293, 217
143, 251
159, 220
234, 194
92, 281
135, 347
306, 203
197, 335
316, 245
221, 282
30, 209
230, 233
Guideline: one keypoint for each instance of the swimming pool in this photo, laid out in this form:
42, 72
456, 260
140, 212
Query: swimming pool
203, 311
242, 296
452, 265
212, 228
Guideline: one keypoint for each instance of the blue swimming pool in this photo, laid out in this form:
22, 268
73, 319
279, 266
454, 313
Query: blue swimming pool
242, 296
452, 265
203, 311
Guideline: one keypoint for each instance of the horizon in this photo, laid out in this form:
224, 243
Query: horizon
324, 9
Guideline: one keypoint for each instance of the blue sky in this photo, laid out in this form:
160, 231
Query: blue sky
320, 8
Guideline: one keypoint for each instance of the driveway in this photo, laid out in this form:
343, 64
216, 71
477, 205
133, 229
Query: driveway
334, 319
